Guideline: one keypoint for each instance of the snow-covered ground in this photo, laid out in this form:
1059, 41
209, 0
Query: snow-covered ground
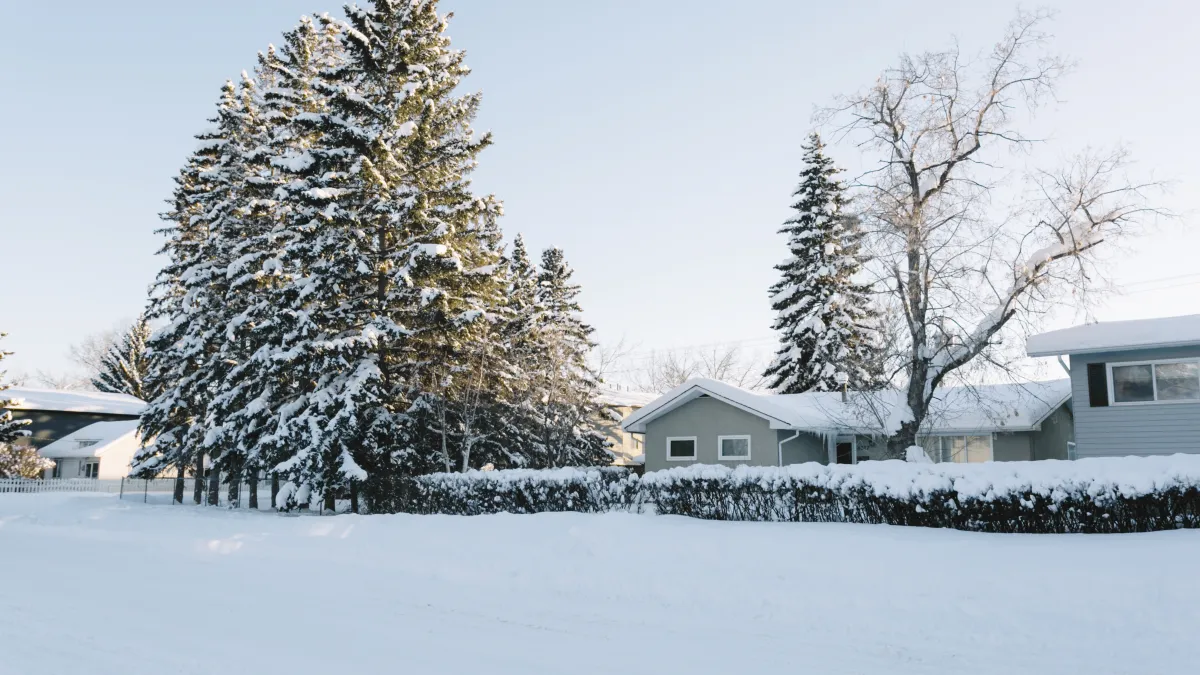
92, 584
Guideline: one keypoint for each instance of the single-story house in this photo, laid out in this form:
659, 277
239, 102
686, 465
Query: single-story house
53, 413
705, 421
619, 404
99, 450
1135, 384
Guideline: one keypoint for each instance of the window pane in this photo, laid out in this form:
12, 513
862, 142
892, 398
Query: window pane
1178, 381
979, 449
683, 448
954, 448
735, 447
1132, 384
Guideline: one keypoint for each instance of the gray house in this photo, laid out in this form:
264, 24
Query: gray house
53, 414
1135, 384
709, 422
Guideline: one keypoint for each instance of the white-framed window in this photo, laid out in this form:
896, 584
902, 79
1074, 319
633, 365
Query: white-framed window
1163, 381
960, 449
91, 470
681, 448
733, 448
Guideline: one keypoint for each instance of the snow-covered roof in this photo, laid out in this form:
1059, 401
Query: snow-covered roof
72, 401
1111, 336
93, 440
994, 407
625, 399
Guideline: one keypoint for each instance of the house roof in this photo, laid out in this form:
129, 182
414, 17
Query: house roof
625, 399
984, 408
72, 401
1111, 336
106, 435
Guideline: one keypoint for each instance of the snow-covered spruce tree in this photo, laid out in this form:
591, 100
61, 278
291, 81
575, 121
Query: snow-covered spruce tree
520, 439
399, 258
262, 275
824, 314
569, 408
190, 295
10, 429
123, 368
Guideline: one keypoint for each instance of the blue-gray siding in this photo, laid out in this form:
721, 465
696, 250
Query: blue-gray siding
707, 418
47, 426
1151, 429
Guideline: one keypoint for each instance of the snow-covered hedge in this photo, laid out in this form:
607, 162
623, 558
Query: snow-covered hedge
473, 493
1127, 494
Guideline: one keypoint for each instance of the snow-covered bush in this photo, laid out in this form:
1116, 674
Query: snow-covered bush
587, 490
1124, 494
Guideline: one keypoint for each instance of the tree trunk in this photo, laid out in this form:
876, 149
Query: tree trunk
330, 505
198, 478
253, 485
235, 490
353, 496
177, 495
214, 487
274, 491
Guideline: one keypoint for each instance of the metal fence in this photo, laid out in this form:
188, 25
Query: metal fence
158, 490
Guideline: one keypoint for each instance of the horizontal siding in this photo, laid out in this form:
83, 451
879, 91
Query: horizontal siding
706, 419
1116, 430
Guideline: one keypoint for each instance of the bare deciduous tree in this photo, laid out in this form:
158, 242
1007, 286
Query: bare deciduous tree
960, 269
667, 369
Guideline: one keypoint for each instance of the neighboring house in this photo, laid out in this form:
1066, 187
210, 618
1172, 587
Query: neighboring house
1136, 384
709, 422
53, 414
99, 450
619, 405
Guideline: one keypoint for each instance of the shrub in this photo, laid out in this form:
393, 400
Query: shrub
1127, 494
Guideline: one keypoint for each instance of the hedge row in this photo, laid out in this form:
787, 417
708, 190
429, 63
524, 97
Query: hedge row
1087, 496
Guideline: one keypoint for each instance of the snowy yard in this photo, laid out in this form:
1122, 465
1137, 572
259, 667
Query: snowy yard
101, 586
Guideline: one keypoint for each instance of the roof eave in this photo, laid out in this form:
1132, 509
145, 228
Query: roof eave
1116, 348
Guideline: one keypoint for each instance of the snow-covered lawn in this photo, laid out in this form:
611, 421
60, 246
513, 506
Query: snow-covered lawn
99, 586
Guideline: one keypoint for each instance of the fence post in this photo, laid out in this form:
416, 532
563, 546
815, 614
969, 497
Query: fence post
145, 491
122, 495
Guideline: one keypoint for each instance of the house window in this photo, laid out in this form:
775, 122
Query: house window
85, 444
733, 447
1154, 381
960, 449
57, 469
681, 448
91, 470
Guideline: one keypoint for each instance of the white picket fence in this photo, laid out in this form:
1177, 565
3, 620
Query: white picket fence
129, 488
61, 485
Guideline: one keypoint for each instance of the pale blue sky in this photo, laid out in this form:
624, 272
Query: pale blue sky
656, 142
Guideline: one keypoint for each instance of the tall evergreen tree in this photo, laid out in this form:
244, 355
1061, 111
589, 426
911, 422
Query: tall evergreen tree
124, 367
262, 277
399, 257
569, 390
823, 314
10, 429
190, 295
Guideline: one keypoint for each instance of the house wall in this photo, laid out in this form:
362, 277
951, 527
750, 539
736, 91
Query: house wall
1011, 447
625, 446
1057, 430
47, 426
803, 448
706, 418
1149, 429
